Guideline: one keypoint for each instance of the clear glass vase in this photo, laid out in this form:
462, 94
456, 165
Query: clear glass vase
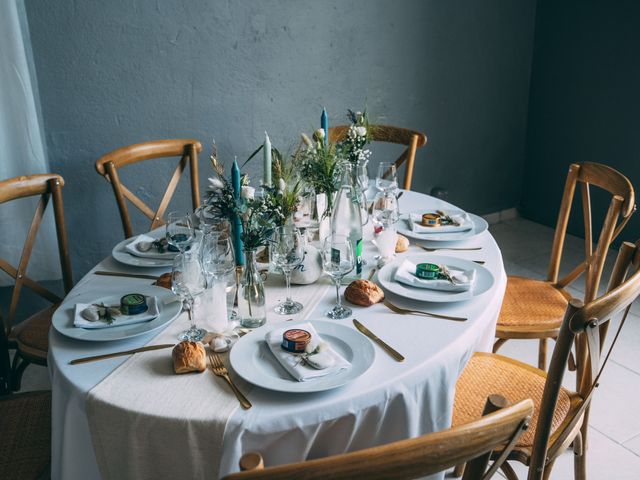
251, 299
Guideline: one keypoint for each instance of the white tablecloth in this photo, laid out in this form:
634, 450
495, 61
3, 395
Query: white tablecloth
391, 401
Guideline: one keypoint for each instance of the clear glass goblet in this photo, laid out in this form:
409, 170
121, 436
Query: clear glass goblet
337, 260
387, 178
187, 282
179, 231
287, 252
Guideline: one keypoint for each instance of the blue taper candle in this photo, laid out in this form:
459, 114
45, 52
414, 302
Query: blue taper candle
237, 224
324, 124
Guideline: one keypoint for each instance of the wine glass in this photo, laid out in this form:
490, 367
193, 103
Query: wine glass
188, 281
385, 209
386, 214
338, 260
387, 178
179, 231
287, 252
216, 254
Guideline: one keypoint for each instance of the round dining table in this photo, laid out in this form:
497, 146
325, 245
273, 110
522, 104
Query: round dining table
131, 417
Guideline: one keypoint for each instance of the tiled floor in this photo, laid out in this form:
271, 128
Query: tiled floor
614, 450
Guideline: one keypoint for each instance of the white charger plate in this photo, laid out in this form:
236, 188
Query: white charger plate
479, 226
168, 304
484, 279
120, 253
251, 359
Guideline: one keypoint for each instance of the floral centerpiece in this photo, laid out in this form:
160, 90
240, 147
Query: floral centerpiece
259, 215
319, 167
358, 136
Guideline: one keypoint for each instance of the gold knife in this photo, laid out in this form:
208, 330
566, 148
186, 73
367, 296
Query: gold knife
373, 337
128, 275
118, 354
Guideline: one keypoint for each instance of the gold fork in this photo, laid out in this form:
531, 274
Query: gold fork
429, 249
404, 311
220, 370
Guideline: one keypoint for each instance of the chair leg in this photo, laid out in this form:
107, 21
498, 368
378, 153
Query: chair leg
542, 354
498, 344
508, 471
580, 455
547, 470
458, 471
18, 367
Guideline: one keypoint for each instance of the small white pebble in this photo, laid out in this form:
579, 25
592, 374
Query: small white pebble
219, 344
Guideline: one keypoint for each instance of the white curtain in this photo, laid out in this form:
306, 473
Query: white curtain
21, 149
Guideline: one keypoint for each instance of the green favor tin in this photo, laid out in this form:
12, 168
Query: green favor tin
427, 271
133, 304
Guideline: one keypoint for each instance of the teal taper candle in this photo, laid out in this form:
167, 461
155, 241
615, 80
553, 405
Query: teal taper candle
324, 124
237, 224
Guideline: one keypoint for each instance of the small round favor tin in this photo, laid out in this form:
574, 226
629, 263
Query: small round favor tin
133, 304
295, 340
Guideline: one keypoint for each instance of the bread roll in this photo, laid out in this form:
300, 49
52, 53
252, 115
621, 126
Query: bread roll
364, 293
189, 357
164, 281
402, 244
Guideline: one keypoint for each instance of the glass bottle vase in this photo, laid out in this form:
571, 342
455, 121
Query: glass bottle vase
251, 299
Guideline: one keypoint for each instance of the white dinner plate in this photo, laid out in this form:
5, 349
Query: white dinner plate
484, 279
168, 304
120, 253
479, 226
251, 359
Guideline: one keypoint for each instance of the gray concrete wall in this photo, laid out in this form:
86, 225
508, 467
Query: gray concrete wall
584, 103
117, 72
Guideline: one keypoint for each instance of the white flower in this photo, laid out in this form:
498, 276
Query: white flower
215, 183
282, 185
361, 131
319, 134
246, 215
247, 192
359, 116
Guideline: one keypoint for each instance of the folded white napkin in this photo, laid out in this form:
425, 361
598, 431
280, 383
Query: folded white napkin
153, 253
465, 279
459, 216
292, 362
119, 320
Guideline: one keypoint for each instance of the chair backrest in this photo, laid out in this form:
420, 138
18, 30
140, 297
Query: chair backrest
108, 166
585, 327
415, 457
385, 133
46, 186
621, 208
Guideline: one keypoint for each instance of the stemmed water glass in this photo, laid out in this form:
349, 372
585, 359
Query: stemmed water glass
338, 260
287, 252
187, 282
387, 178
217, 256
179, 230
386, 213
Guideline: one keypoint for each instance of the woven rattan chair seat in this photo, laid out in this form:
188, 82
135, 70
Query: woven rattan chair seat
32, 335
490, 373
25, 423
532, 303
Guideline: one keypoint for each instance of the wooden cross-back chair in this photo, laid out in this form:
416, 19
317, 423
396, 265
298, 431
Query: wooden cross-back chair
25, 423
108, 166
561, 415
534, 309
416, 457
30, 337
385, 133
